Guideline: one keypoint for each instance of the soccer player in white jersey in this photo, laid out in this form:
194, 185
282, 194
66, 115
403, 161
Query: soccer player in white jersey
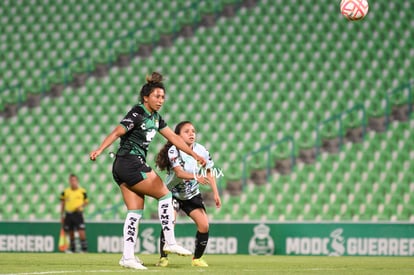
183, 179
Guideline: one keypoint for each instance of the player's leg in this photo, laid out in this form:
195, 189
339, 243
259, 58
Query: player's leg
135, 206
163, 261
153, 186
83, 241
81, 231
196, 211
70, 231
72, 244
199, 216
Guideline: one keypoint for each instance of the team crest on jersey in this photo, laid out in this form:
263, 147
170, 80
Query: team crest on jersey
157, 124
130, 124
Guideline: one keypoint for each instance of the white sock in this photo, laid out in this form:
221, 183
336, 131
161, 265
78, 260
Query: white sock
131, 225
166, 215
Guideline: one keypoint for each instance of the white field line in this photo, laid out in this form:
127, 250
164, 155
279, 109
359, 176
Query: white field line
62, 272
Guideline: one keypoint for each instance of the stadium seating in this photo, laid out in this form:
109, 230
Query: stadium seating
42, 40
247, 81
357, 184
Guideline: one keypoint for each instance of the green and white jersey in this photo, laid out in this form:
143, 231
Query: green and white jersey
186, 189
141, 128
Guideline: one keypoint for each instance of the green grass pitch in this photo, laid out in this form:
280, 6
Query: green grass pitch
94, 263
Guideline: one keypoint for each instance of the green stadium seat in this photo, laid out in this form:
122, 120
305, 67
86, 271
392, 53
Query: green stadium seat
283, 78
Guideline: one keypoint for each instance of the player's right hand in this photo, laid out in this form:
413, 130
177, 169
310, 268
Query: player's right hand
94, 154
203, 180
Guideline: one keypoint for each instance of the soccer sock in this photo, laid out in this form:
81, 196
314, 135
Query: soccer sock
166, 216
162, 242
84, 245
72, 245
201, 241
131, 225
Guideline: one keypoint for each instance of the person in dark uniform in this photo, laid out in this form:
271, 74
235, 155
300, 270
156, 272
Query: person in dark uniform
135, 177
73, 201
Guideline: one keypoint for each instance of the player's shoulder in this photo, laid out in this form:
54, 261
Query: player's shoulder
138, 109
199, 148
172, 150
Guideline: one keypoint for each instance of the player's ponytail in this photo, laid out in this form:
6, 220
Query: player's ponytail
162, 161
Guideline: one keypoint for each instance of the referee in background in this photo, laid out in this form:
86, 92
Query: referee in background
73, 201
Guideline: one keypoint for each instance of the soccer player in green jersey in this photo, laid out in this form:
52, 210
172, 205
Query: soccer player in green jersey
134, 177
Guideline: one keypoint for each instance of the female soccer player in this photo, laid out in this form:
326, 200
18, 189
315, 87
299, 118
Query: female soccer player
134, 177
184, 176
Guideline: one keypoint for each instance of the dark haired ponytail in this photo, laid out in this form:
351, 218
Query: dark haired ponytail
162, 161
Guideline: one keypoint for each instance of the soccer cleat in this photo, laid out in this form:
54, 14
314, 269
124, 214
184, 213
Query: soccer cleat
134, 263
136, 257
176, 249
138, 260
163, 262
199, 262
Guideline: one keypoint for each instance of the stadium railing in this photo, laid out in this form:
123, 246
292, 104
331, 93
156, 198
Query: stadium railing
401, 95
196, 8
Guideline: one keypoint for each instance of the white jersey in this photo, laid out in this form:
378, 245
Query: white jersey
186, 189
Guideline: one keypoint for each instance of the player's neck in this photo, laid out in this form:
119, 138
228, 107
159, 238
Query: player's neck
148, 108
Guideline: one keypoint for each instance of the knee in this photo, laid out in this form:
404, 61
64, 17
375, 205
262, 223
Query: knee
203, 227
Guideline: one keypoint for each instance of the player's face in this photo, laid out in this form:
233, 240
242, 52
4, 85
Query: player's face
155, 100
74, 183
188, 133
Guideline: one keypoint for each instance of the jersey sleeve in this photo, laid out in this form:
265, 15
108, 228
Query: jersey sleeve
133, 118
85, 196
162, 123
174, 157
207, 157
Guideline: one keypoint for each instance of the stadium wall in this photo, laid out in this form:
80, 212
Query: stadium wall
329, 239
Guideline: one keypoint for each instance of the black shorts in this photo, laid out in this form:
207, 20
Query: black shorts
187, 206
73, 221
129, 169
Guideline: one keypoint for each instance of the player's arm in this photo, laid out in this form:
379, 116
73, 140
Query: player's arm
114, 135
62, 208
180, 173
180, 144
81, 208
212, 180
85, 200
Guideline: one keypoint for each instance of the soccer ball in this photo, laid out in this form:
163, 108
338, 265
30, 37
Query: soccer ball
354, 9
